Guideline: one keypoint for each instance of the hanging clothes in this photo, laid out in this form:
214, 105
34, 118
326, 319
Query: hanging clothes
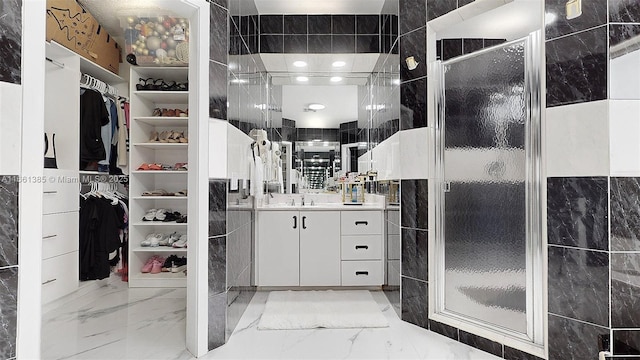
93, 115
123, 137
100, 225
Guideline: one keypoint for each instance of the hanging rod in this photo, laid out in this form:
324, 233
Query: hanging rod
56, 63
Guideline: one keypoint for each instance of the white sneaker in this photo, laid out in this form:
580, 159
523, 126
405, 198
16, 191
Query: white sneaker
182, 243
151, 240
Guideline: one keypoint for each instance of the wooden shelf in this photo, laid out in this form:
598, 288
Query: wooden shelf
163, 121
164, 97
163, 146
159, 249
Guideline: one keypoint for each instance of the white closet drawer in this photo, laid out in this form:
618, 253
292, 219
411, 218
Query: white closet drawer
59, 276
362, 247
361, 222
59, 234
60, 195
362, 273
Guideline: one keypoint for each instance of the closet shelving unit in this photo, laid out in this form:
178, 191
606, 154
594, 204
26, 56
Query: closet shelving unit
143, 103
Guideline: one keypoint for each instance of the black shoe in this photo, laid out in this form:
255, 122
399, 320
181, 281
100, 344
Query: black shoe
168, 263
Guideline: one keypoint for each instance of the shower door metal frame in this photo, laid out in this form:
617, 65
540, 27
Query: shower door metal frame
534, 242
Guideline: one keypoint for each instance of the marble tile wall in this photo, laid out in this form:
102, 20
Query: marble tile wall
218, 50
592, 214
8, 268
11, 41
318, 34
10, 73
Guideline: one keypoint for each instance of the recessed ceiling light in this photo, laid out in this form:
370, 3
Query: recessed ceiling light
316, 106
299, 63
336, 79
239, 81
317, 140
339, 64
302, 78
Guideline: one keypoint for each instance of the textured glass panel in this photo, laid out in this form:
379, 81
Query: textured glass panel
485, 207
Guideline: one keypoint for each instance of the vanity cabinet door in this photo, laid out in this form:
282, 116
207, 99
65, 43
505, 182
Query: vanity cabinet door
278, 248
320, 248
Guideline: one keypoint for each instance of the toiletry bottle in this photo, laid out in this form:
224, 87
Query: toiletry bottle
354, 193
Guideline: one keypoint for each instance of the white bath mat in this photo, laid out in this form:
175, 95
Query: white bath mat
340, 309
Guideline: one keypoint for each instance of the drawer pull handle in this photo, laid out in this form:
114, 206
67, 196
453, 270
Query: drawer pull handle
365, 247
49, 236
51, 192
362, 223
295, 222
358, 273
49, 281
304, 222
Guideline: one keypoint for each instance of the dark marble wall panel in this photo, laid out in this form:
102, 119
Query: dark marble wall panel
577, 68
342, 44
8, 224
579, 284
295, 44
223, 3
217, 207
472, 45
319, 24
625, 290
295, 24
481, 343
319, 44
625, 214
217, 265
624, 11
414, 204
367, 24
437, 8
217, 90
626, 342
594, 13
515, 354
217, 320
413, 15
415, 302
415, 255
577, 212
444, 329
462, 3
8, 311
218, 34
451, 48
574, 340
271, 24
413, 44
271, 44
343, 24
11, 41
413, 109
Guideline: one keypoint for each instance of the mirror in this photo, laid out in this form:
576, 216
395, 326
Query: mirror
309, 81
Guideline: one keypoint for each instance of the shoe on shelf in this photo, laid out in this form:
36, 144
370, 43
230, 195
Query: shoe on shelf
156, 265
157, 112
146, 268
151, 240
161, 214
157, 192
181, 193
150, 215
173, 237
168, 263
182, 219
154, 137
164, 240
180, 264
182, 243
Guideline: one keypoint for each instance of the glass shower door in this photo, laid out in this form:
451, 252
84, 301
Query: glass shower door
486, 207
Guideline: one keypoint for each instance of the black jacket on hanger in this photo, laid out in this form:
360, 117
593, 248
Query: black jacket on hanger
93, 115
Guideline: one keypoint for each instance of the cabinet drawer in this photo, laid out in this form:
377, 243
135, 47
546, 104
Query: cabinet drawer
59, 276
362, 247
60, 196
59, 234
361, 222
362, 273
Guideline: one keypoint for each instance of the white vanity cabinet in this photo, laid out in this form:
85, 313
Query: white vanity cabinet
299, 248
320, 248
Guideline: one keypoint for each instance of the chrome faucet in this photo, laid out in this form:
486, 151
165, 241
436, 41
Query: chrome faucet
302, 201
293, 202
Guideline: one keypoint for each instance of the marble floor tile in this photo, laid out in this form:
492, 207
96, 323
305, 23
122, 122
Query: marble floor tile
114, 321
400, 340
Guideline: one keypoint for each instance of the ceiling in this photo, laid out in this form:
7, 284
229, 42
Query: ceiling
510, 21
319, 6
341, 105
319, 68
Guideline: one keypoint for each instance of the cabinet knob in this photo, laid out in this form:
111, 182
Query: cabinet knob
362, 223
358, 273
364, 247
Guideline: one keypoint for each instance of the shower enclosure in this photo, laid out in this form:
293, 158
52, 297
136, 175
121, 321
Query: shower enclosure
488, 258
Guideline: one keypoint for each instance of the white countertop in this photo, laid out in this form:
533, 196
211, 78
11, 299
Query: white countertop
320, 207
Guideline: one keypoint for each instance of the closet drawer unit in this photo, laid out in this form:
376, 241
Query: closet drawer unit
60, 196
59, 234
362, 273
59, 276
362, 247
361, 222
